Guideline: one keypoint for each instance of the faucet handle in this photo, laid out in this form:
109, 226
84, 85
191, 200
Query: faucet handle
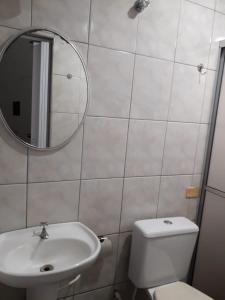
44, 234
44, 224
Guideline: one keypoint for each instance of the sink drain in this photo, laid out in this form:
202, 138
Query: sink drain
46, 268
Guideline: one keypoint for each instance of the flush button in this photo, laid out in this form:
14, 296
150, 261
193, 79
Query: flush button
167, 222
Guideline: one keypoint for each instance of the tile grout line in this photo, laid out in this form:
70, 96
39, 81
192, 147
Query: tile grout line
128, 52
123, 177
129, 119
27, 167
28, 151
31, 13
127, 140
126, 149
80, 181
204, 93
144, 55
88, 291
169, 105
100, 178
84, 124
210, 49
198, 4
196, 151
145, 119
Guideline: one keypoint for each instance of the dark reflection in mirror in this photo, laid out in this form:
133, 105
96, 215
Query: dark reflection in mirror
43, 89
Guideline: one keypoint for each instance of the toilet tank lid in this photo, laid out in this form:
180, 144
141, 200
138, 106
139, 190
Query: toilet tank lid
153, 228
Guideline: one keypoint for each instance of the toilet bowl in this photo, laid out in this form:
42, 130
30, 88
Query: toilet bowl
161, 253
176, 291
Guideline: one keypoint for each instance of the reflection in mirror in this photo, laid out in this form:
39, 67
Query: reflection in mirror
43, 89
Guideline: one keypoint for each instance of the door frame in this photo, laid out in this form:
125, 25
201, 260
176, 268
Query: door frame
216, 97
215, 104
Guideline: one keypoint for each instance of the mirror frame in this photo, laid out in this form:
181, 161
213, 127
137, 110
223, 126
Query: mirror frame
4, 47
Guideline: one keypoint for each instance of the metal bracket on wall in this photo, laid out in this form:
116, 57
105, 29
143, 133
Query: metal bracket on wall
201, 69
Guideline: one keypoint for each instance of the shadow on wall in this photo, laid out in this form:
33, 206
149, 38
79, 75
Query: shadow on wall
9, 11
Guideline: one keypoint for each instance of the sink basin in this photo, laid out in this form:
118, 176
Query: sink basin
26, 261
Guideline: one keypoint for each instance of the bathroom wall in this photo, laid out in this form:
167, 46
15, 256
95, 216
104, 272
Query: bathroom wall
143, 140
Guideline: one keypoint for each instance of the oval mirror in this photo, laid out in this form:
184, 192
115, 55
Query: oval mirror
43, 88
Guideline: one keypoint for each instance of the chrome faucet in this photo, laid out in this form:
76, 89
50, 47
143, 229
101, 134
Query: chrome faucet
44, 234
140, 5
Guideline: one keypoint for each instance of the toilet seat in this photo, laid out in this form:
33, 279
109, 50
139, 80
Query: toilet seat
177, 291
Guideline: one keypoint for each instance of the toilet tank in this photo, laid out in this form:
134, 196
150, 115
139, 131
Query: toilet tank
161, 251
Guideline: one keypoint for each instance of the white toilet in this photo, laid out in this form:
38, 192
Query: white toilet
160, 258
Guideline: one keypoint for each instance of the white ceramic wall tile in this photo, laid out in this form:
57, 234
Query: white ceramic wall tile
63, 164
192, 210
66, 60
172, 200
111, 89
53, 202
187, 94
112, 24
157, 29
206, 3
15, 13
218, 35
123, 257
197, 179
13, 159
193, 45
180, 147
104, 147
140, 198
145, 148
68, 17
201, 148
151, 91
220, 6
13, 207
99, 294
102, 273
83, 50
208, 96
6, 33
100, 204
63, 126
66, 94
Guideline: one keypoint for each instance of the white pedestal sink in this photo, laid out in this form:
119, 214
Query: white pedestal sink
26, 261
